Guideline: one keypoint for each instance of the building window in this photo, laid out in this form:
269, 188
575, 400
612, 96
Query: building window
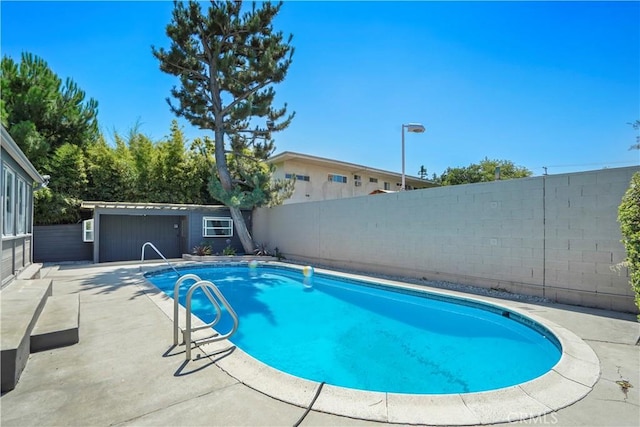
9, 202
87, 230
387, 186
337, 178
298, 177
357, 179
217, 227
22, 207
374, 180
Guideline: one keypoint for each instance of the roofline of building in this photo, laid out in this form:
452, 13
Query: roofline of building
147, 206
291, 155
16, 153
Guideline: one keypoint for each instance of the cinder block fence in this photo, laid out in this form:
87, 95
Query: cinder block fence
555, 236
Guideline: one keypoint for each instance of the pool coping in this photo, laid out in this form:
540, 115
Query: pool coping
569, 381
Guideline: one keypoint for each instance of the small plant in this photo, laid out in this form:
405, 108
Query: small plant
202, 250
624, 386
261, 250
279, 255
228, 250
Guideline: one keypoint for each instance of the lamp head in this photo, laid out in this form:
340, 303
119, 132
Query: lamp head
45, 182
415, 127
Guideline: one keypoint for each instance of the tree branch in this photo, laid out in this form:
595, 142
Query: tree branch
244, 96
192, 73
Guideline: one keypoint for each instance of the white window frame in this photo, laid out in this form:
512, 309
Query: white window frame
9, 207
211, 229
340, 179
88, 232
21, 193
299, 177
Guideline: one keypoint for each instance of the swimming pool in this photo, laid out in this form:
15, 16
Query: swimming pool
364, 336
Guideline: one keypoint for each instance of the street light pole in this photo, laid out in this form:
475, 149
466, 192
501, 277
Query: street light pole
411, 127
402, 186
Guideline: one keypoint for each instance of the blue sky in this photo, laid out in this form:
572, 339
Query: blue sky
539, 83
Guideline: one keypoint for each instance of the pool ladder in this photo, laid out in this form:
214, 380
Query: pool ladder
159, 253
209, 290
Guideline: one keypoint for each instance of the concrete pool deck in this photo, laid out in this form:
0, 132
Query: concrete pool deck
125, 371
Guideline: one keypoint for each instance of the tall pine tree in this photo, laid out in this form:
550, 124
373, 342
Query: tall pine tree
41, 112
227, 62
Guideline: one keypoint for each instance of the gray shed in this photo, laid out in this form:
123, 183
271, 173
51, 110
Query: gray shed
118, 230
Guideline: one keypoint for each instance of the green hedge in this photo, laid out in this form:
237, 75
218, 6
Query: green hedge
53, 208
629, 218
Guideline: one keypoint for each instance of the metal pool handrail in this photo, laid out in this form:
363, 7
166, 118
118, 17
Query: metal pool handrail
159, 253
176, 303
207, 287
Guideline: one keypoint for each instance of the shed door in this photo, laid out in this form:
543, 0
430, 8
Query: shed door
122, 237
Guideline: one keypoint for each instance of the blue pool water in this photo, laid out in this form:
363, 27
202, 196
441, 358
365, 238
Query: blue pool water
369, 337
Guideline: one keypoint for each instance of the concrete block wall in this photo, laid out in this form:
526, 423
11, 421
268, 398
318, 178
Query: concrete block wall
554, 236
582, 238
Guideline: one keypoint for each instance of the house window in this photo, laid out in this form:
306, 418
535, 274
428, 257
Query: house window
298, 177
387, 186
357, 179
22, 207
9, 202
217, 227
87, 230
337, 178
374, 180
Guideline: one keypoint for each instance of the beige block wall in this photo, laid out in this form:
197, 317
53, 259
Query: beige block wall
583, 239
554, 236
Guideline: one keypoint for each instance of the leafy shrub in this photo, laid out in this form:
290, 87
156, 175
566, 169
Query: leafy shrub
262, 250
228, 251
202, 250
54, 208
629, 218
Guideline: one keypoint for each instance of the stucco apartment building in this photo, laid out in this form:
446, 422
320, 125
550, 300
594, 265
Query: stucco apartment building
318, 178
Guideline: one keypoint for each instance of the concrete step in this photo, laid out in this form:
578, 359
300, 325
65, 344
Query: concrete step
58, 325
21, 304
31, 272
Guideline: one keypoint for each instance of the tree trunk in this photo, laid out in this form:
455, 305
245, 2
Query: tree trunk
240, 227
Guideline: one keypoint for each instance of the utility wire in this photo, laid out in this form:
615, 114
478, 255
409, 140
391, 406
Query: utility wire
602, 164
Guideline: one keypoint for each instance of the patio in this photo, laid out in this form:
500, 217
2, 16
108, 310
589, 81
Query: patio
123, 372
